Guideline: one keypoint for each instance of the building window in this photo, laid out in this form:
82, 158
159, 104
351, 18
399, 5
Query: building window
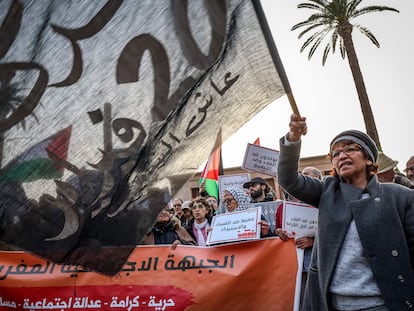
194, 192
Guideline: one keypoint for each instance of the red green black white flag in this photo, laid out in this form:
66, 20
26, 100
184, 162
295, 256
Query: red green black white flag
213, 169
34, 163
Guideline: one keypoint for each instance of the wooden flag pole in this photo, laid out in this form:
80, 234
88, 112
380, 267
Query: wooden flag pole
293, 104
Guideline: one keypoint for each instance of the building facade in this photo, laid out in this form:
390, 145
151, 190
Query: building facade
190, 188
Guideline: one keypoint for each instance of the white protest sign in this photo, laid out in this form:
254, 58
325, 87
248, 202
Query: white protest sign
261, 159
269, 210
300, 219
232, 180
235, 226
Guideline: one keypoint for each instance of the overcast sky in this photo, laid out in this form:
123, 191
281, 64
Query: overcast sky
327, 95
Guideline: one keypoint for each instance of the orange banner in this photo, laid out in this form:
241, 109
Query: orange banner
254, 275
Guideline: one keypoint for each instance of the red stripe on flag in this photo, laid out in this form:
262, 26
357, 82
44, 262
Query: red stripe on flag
214, 166
213, 171
60, 143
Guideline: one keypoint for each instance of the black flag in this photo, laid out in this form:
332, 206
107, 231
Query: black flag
144, 86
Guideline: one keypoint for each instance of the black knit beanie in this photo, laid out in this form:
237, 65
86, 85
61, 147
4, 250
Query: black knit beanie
361, 139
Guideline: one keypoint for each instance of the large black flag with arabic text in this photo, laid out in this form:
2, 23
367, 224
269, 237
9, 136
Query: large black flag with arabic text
107, 107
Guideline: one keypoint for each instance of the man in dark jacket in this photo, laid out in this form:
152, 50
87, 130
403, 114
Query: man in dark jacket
168, 230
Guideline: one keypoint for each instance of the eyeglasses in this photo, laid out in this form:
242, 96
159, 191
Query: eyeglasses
410, 168
347, 149
177, 205
211, 202
195, 206
228, 200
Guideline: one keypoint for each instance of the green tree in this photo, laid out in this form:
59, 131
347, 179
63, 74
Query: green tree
332, 21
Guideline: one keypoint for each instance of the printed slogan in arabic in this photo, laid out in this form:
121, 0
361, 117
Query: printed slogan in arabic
300, 219
156, 278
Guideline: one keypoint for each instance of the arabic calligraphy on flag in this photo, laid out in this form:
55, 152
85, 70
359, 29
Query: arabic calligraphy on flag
144, 86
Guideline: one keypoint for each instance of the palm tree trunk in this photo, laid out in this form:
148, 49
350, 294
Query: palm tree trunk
2, 137
345, 30
1, 148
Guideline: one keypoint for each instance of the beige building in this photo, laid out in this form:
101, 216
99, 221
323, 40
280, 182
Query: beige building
190, 188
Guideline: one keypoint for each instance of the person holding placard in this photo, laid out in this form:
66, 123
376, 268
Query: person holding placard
305, 242
235, 199
363, 256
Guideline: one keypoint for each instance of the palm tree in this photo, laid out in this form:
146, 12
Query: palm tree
334, 18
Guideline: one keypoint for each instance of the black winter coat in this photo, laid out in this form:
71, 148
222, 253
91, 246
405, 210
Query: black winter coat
385, 224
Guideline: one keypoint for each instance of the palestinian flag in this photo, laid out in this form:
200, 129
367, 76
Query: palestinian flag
35, 163
213, 169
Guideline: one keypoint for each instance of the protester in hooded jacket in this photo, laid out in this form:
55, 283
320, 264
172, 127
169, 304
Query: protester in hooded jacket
168, 230
235, 199
363, 255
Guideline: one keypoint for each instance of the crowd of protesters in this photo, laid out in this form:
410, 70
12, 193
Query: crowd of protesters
362, 257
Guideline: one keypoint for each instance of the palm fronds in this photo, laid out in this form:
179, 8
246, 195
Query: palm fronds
331, 16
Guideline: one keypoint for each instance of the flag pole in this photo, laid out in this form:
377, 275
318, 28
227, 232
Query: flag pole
206, 170
275, 55
293, 103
